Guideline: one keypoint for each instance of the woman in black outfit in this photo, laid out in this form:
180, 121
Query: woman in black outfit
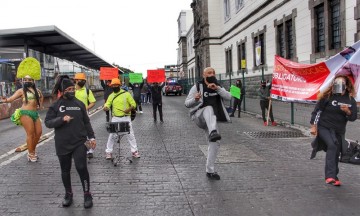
336, 106
237, 102
72, 126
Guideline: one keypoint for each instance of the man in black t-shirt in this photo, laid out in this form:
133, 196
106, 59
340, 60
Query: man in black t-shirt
205, 101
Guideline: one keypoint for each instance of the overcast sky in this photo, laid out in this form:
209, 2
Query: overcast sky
136, 34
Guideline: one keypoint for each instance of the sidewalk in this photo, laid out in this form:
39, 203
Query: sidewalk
259, 176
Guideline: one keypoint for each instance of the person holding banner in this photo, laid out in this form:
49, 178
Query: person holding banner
237, 102
335, 107
265, 102
136, 88
205, 100
156, 98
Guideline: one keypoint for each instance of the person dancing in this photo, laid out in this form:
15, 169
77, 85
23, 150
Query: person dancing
28, 115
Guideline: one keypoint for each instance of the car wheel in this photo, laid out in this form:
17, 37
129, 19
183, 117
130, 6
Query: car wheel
180, 94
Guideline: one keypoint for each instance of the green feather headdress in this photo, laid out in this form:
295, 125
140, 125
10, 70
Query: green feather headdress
29, 67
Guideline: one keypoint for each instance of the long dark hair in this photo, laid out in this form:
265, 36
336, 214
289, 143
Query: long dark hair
329, 91
35, 93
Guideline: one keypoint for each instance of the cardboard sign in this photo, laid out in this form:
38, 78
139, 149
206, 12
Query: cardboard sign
135, 77
108, 73
155, 76
235, 91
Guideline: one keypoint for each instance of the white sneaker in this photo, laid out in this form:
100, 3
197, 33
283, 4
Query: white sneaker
108, 156
141, 112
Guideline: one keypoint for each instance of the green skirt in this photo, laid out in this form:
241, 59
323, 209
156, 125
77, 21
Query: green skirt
15, 117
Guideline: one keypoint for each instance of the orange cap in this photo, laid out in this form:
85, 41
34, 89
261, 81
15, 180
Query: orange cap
115, 81
80, 76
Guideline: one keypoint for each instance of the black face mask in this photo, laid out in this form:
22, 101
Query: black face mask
116, 89
211, 79
81, 83
28, 84
69, 95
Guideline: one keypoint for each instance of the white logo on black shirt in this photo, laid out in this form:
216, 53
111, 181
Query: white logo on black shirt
63, 108
207, 94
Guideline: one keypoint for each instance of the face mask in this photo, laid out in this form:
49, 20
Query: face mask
339, 86
28, 84
211, 79
116, 89
69, 95
81, 83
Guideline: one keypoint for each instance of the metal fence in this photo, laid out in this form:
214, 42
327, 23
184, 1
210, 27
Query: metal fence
7, 89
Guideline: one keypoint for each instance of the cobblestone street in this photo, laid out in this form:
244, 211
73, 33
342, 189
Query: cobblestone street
259, 176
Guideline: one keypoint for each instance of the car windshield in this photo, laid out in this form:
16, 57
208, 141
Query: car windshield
173, 84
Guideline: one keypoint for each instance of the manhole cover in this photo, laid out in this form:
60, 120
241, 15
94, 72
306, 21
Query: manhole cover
233, 153
275, 134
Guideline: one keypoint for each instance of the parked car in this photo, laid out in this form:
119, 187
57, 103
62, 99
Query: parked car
172, 88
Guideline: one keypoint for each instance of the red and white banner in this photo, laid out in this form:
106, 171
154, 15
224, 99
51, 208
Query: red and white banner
293, 81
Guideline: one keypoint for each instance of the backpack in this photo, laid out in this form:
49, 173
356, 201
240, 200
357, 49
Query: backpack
351, 153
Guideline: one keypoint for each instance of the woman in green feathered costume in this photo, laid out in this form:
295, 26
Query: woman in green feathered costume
27, 115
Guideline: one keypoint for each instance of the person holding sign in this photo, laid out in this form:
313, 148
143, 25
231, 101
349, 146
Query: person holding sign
335, 107
205, 101
265, 102
238, 98
136, 88
156, 98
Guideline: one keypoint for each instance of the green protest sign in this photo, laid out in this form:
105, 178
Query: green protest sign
135, 77
235, 91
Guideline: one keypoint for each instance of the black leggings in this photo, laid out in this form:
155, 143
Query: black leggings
237, 104
333, 143
79, 155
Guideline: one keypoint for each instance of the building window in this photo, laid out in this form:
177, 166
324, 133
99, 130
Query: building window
226, 10
335, 24
228, 61
241, 51
328, 29
320, 28
281, 40
290, 54
259, 50
239, 4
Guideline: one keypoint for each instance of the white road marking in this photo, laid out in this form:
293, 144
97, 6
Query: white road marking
18, 155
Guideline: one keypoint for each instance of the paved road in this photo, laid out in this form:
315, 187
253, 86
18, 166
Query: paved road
259, 176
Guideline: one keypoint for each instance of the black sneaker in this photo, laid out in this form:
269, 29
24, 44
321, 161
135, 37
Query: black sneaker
232, 115
90, 155
68, 199
213, 176
214, 136
88, 203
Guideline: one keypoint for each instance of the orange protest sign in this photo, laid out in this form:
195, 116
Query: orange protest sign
108, 73
155, 76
